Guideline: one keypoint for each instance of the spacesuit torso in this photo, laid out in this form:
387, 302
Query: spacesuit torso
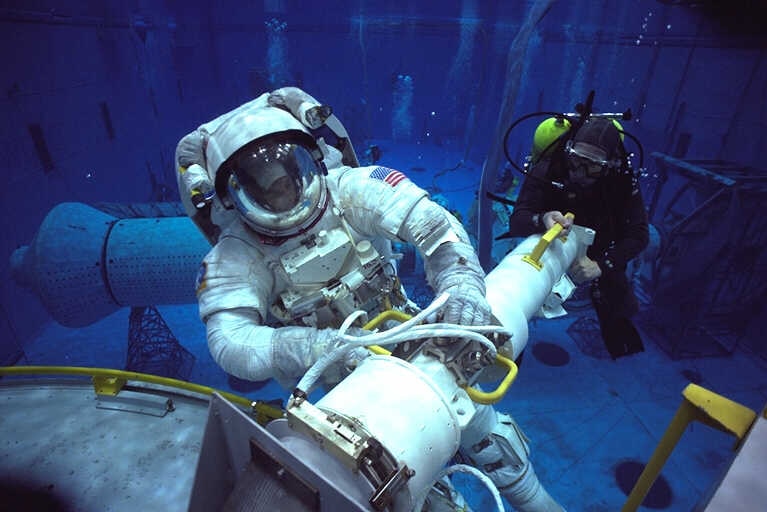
320, 277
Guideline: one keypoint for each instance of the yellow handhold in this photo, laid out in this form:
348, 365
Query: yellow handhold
107, 381
389, 314
480, 397
534, 258
106, 385
265, 412
492, 397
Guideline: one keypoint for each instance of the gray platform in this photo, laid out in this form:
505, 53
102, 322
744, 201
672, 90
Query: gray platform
67, 449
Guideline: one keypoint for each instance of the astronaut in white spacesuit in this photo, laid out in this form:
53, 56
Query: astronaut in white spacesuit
301, 239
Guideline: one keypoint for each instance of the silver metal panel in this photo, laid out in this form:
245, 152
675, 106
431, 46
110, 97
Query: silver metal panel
226, 457
743, 486
56, 442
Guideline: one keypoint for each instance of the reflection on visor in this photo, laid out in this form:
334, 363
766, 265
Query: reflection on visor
282, 195
276, 175
277, 187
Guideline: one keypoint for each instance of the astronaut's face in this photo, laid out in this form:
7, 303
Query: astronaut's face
282, 195
277, 187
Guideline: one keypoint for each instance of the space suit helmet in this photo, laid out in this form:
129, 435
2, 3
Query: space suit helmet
275, 178
596, 149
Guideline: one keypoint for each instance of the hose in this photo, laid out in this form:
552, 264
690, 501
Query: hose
463, 468
406, 331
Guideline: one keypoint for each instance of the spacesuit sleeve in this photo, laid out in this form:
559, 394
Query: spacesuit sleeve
233, 275
376, 200
379, 201
245, 348
190, 160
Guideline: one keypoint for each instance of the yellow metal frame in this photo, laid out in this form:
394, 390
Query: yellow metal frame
478, 396
534, 258
698, 404
108, 381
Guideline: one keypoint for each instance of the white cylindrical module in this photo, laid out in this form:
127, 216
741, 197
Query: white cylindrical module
516, 289
405, 410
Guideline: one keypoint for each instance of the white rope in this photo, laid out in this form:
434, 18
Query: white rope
463, 468
318, 368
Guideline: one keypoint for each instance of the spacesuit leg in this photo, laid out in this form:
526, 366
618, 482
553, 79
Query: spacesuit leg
495, 445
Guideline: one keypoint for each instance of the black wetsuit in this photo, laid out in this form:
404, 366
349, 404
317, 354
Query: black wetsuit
614, 208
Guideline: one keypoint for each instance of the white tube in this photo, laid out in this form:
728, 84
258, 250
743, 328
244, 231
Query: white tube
516, 289
406, 412
463, 468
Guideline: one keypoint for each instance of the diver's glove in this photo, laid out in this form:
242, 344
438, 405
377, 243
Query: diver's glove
454, 268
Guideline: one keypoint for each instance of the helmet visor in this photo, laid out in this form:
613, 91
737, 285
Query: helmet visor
276, 186
275, 175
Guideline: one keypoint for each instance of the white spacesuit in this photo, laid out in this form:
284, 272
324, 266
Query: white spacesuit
301, 239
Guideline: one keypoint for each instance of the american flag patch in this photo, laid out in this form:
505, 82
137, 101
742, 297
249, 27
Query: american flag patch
387, 175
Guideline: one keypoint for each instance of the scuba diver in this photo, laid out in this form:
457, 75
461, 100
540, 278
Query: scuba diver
302, 238
579, 164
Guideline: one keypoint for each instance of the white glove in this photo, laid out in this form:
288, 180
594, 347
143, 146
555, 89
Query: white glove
306, 109
454, 268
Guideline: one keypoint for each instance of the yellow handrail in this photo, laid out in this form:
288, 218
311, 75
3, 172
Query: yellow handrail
492, 397
109, 381
389, 314
478, 396
698, 404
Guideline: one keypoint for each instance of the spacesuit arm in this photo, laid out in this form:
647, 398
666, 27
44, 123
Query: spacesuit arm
305, 108
450, 262
245, 348
233, 291
394, 207
194, 176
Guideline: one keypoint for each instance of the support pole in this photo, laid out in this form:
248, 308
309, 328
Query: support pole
515, 63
